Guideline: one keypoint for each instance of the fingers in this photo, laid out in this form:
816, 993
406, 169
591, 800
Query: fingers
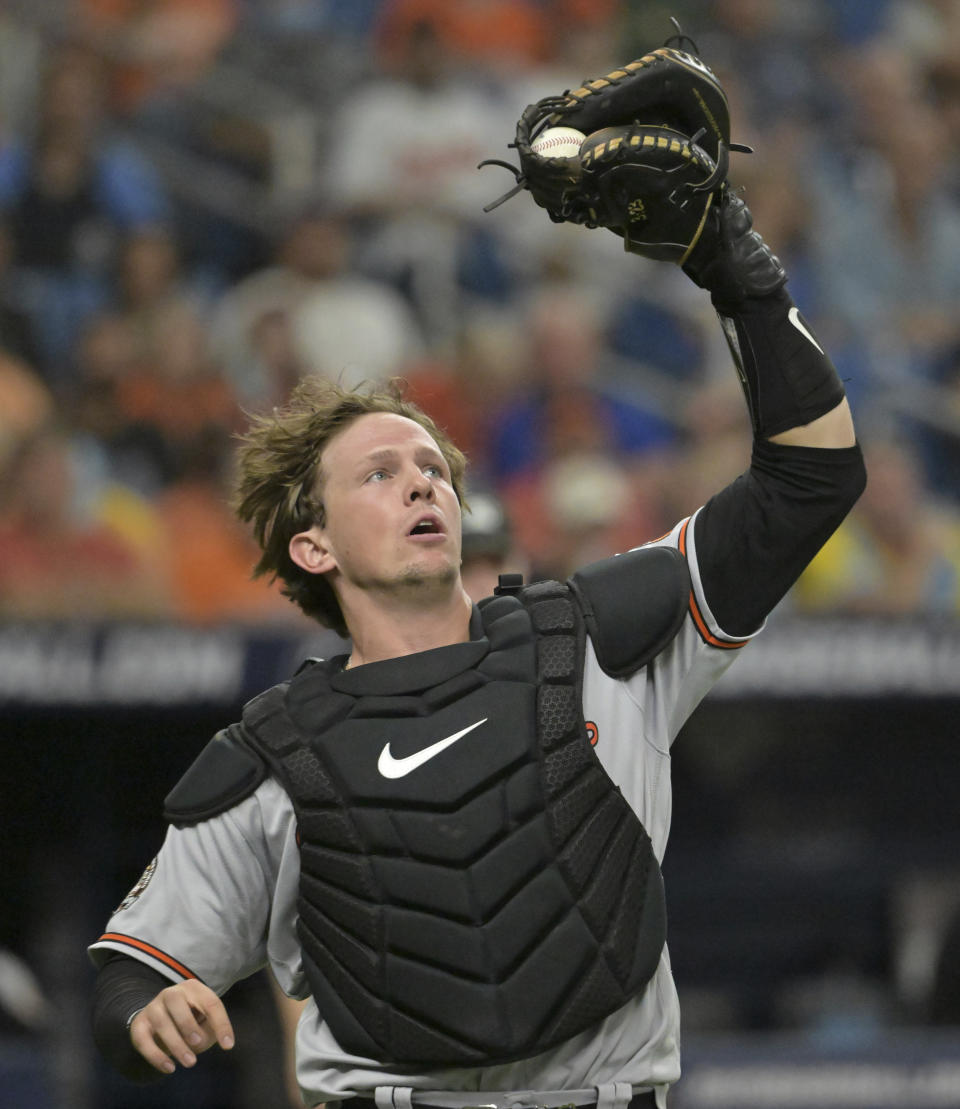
179, 1023
147, 1036
212, 1015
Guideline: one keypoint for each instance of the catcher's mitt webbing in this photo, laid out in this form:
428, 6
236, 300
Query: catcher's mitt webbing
667, 86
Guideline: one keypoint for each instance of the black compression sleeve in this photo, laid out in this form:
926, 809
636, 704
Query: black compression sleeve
755, 537
123, 987
787, 378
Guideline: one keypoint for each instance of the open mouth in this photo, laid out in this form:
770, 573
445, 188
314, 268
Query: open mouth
426, 526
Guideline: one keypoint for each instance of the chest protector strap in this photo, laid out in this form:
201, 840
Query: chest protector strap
474, 888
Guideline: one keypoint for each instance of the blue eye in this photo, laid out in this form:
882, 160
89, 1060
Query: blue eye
433, 470
377, 475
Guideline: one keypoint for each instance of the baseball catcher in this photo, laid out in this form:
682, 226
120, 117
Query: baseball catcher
447, 839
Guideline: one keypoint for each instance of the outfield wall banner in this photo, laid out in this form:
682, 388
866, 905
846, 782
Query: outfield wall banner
882, 1070
64, 664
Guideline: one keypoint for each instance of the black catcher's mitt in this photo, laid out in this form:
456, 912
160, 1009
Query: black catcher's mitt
652, 168
668, 87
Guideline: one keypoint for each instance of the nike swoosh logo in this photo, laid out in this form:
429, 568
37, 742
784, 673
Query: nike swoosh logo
390, 767
794, 317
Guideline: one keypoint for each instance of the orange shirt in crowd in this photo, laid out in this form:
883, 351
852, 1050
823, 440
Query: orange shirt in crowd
210, 558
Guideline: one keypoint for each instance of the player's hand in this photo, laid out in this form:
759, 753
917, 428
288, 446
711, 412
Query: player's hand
179, 1023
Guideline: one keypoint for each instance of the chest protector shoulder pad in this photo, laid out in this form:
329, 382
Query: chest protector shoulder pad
633, 604
474, 888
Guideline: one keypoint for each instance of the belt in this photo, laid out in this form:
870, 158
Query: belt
645, 1100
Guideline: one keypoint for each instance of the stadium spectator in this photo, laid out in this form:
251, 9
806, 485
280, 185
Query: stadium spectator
176, 398
711, 422
491, 35
310, 312
17, 337
767, 56
68, 192
109, 445
347, 327
885, 226
941, 439
942, 79
578, 463
488, 547
404, 164
562, 404
159, 45
25, 403
206, 550
55, 562
21, 48
898, 553
153, 296
145, 406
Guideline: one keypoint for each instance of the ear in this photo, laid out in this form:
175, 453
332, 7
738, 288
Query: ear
310, 551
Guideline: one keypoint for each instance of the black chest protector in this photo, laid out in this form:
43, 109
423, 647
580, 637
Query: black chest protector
474, 888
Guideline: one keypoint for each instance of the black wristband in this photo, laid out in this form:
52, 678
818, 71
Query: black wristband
787, 377
123, 987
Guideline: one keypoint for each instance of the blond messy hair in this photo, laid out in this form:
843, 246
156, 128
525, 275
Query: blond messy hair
279, 484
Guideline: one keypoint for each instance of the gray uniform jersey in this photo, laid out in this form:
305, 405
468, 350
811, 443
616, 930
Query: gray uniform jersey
220, 900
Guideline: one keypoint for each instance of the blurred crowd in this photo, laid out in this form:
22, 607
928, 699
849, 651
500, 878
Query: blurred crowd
201, 201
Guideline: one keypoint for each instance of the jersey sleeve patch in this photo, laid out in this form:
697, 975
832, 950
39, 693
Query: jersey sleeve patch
141, 884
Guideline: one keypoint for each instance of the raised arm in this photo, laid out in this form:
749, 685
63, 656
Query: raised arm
755, 537
652, 168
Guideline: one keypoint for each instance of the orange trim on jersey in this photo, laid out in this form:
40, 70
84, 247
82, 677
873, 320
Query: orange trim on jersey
705, 634
167, 960
682, 538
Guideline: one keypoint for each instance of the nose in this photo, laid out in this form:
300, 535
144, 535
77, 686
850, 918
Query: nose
420, 487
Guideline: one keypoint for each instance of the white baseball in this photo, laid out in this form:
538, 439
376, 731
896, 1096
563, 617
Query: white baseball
558, 142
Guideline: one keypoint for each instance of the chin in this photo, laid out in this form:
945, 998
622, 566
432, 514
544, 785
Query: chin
418, 576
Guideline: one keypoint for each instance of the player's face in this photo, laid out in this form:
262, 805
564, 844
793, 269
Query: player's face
392, 517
